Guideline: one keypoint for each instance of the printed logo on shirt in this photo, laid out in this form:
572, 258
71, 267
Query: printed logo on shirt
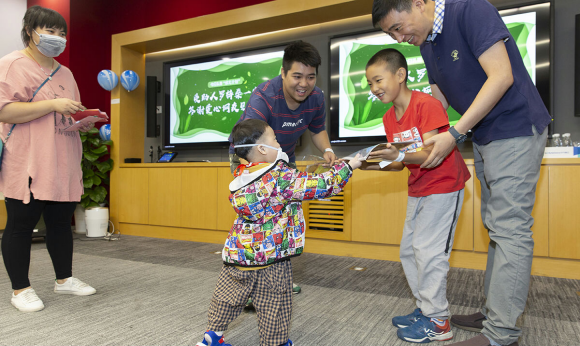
409, 135
291, 124
455, 55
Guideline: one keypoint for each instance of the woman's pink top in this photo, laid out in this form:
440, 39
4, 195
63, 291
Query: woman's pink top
39, 149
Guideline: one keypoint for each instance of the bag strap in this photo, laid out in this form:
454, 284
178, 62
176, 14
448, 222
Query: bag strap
33, 95
46, 80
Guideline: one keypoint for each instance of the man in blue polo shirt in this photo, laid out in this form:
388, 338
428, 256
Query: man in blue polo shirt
474, 65
291, 103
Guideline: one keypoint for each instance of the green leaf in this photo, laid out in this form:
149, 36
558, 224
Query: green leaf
90, 156
96, 180
85, 195
100, 150
98, 194
107, 142
101, 175
83, 139
94, 141
87, 183
85, 203
94, 130
104, 167
87, 173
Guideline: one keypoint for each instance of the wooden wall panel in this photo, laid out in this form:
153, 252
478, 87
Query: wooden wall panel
564, 215
3, 214
379, 205
198, 195
133, 195
165, 197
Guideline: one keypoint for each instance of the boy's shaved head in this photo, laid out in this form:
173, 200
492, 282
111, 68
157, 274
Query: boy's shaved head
393, 59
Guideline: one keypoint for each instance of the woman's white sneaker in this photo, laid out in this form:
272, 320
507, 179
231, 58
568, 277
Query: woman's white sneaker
27, 301
74, 286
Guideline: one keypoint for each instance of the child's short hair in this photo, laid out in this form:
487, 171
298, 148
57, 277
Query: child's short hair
302, 52
247, 132
392, 58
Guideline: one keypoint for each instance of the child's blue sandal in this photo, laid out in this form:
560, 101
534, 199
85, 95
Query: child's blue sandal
210, 338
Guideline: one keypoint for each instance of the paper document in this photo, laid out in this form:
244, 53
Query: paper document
85, 118
364, 153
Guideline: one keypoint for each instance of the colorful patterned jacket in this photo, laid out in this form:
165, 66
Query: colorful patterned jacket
270, 223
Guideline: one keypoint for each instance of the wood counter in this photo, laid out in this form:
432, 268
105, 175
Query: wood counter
189, 201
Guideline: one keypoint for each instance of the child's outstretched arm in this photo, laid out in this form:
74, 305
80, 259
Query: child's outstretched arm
296, 185
374, 166
391, 153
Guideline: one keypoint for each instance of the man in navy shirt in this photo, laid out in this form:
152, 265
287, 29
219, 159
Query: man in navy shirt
291, 103
474, 65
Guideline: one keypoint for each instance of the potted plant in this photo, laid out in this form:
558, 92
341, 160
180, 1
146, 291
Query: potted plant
95, 166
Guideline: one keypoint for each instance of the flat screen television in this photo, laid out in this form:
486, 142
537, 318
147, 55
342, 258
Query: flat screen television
356, 114
205, 97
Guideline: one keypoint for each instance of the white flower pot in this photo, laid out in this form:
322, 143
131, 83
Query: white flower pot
80, 226
97, 221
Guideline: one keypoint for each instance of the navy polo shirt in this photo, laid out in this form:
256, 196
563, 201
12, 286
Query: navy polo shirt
267, 103
470, 27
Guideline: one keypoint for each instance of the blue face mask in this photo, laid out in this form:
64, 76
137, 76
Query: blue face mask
50, 45
281, 155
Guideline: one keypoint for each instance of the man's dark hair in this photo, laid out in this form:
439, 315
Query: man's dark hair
302, 52
247, 132
40, 17
381, 8
392, 58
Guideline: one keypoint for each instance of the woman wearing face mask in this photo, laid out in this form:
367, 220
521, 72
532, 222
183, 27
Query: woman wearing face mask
41, 164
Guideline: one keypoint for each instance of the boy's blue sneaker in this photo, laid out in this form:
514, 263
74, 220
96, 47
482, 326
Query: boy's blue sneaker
407, 320
210, 338
425, 330
289, 343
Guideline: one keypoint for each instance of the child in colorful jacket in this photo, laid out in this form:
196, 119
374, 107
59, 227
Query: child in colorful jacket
267, 195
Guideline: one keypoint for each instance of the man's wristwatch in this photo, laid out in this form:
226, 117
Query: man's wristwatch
459, 137
328, 149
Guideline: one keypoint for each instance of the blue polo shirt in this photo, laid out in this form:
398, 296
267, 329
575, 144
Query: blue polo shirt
268, 103
470, 27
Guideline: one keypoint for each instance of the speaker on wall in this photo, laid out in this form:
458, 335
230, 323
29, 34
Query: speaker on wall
577, 69
151, 106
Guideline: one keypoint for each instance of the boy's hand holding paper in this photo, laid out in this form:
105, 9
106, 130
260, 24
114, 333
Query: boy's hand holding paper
389, 152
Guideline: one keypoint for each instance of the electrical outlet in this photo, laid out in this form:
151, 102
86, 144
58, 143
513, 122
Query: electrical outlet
158, 109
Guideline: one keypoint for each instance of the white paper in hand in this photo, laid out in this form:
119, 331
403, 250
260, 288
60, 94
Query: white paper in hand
384, 163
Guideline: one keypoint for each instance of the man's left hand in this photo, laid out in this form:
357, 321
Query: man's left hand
442, 143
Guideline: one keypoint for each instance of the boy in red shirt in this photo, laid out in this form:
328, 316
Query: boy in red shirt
435, 195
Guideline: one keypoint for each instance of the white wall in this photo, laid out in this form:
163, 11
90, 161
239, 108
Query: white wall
11, 14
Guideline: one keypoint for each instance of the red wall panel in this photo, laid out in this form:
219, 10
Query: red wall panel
92, 22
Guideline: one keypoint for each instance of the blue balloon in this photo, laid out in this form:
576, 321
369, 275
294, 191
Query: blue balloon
108, 79
105, 132
129, 80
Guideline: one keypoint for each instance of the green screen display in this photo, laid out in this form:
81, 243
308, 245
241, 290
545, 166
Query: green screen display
207, 98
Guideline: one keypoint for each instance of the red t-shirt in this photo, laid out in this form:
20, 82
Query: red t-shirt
424, 114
